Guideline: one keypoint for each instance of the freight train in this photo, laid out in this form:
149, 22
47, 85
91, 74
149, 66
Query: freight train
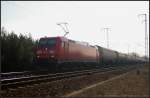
56, 52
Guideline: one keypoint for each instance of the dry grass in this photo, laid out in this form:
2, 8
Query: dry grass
135, 83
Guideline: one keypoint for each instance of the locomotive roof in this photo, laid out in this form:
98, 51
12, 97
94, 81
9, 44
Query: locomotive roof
66, 39
52, 37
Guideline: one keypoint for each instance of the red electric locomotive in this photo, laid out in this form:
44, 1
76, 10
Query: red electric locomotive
60, 50
57, 52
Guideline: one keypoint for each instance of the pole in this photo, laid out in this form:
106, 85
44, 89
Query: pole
107, 36
107, 39
146, 38
128, 49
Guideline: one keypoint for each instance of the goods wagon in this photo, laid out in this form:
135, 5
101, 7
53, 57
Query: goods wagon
107, 56
141, 60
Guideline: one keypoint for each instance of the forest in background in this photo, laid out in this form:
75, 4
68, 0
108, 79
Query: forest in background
17, 51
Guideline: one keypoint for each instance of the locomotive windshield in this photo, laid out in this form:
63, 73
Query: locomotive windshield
47, 42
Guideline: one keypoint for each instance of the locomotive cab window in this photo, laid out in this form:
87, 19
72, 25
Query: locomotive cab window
51, 42
47, 42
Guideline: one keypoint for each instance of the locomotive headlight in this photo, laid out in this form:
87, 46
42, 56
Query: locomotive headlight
51, 51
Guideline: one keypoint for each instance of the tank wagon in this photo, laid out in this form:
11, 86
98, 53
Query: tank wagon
60, 50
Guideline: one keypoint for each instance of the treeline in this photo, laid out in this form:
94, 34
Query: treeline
17, 51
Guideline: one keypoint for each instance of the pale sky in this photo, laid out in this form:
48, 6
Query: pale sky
85, 18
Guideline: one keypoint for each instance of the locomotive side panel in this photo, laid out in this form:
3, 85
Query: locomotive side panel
81, 53
62, 50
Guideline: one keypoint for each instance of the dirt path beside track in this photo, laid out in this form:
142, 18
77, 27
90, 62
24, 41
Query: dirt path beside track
132, 84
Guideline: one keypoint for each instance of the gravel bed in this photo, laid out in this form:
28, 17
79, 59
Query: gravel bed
58, 88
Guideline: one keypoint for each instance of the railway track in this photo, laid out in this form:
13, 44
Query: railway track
27, 80
10, 75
